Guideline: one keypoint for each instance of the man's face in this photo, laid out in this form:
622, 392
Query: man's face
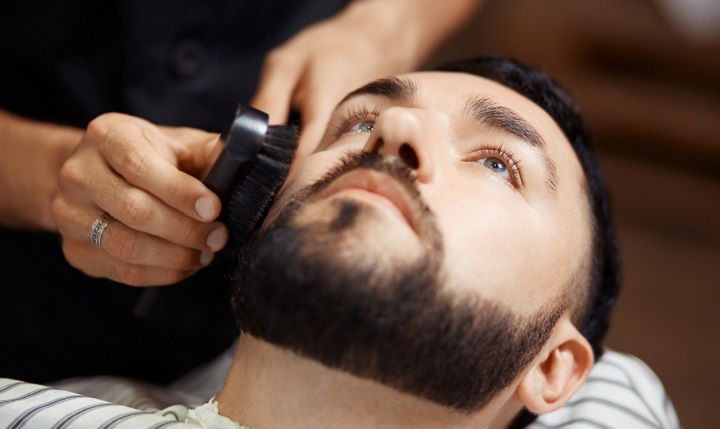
436, 264
512, 232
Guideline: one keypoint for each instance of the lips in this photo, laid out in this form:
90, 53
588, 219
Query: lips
375, 186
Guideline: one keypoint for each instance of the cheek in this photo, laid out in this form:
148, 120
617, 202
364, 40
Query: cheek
499, 249
305, 173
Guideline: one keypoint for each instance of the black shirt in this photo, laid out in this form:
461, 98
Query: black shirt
183, 63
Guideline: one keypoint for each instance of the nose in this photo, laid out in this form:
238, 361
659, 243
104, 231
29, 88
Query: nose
402, 133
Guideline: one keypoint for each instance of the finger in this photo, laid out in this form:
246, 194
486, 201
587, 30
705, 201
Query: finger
278, 80
309, 139
317, 106
193, 147
135, 208
142, 165
187, 136
143, 212
138, 248
96, 263
122, 243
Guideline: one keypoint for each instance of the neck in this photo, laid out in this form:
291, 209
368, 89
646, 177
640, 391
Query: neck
271, 388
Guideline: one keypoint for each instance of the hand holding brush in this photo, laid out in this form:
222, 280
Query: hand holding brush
246, 168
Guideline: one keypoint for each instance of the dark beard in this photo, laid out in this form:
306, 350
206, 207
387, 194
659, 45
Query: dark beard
384, 319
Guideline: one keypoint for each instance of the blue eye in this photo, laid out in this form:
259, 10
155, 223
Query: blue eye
498, 160
362, 127
496, 165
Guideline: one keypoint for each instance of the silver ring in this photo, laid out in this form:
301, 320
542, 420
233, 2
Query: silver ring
98, 227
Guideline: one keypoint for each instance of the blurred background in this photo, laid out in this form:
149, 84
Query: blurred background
647, 75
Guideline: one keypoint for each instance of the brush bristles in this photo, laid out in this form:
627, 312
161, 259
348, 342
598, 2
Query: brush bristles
251, 194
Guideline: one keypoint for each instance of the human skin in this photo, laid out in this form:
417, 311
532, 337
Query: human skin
368, 39
50, 177
146, 177
510, 239
472, 204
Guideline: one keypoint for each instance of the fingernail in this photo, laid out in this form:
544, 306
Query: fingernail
206, 258
216, 239
204, 208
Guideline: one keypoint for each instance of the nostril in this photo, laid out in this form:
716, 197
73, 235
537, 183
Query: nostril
408, 156
379, 143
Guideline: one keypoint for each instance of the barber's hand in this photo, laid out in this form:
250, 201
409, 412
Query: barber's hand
144, 177
312, 71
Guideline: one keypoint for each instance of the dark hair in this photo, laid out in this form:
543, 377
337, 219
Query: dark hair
604, 278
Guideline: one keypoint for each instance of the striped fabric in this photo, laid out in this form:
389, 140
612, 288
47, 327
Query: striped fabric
621, 392
31, 406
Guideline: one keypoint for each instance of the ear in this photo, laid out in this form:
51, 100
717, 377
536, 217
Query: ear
560, 370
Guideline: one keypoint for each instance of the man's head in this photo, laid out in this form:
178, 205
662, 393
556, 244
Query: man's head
443, 240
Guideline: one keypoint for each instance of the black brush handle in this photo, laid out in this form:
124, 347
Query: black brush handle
237, 146
240, 143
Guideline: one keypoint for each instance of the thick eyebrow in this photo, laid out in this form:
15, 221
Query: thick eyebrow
392, 88
507, 120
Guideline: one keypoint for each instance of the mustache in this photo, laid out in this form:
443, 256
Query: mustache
393, 167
